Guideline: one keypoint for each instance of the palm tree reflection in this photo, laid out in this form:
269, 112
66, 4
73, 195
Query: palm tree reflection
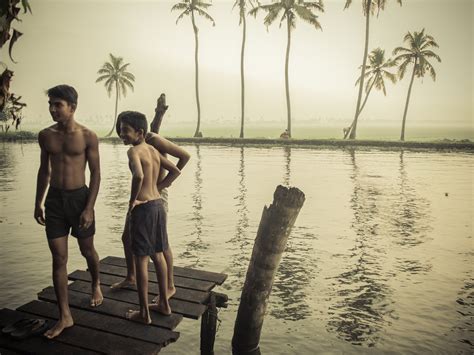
196, 247
362, 291
287, 173
241, 243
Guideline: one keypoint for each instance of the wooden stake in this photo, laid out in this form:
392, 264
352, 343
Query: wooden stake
275, 227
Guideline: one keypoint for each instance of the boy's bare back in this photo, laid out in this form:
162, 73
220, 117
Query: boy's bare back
145, 160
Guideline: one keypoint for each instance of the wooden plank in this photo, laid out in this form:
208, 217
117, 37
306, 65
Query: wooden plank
36, 344
183, 282
4, 351
111, 307
114, 325
215, 277
184, 294
187, 309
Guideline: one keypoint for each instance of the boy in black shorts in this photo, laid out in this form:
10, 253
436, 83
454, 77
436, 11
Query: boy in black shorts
149, 238
66, 148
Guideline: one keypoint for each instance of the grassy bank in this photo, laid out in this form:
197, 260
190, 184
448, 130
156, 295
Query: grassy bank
445, 144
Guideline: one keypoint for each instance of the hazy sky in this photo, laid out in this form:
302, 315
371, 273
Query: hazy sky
66, 41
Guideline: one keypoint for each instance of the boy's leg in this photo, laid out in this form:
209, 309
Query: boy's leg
161, 269
88, 251
129, 259
58, 247
168, 254
143, 315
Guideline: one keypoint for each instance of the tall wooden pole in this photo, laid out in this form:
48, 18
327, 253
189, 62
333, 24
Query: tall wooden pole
275, 227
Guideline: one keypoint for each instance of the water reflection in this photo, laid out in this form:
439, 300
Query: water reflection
196, 248
465, 307
287, 172
116, 186
409, 212
359, 315
240, 243
7, 166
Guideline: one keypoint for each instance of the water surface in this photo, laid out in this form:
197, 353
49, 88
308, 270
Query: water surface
380, 258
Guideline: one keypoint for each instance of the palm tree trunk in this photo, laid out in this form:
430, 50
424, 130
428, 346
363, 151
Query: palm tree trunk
196, 63
361, 108
287, 84
402, 136
242, 82
116, 106
364, 61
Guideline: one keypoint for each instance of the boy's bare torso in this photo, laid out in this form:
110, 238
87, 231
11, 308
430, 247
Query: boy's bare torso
150, 163
67, 151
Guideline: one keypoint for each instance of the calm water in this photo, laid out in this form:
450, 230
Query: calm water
379, 260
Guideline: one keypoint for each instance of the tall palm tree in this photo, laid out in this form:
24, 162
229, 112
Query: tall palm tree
418, 52
116, 76
376, 73
190, 7
369, 7
242, 4
291, 10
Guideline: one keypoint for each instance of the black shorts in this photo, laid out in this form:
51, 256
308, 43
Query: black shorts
148, 228
63, 209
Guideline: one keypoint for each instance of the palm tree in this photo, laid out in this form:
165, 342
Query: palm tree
291, 10
190, 7
376, 73
242, 4
418, 52
116, 77
368, 7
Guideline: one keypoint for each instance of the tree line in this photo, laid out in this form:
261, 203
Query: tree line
416, 55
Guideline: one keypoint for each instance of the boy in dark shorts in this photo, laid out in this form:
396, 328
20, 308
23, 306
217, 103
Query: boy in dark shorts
165, 147
66, 148
149, 238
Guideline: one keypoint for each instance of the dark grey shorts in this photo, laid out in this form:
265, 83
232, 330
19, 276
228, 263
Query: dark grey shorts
148, 228
63, 208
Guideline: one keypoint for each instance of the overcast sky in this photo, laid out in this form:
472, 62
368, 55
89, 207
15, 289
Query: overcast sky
66, 41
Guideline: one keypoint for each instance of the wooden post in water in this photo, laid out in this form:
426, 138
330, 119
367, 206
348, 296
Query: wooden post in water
275, 227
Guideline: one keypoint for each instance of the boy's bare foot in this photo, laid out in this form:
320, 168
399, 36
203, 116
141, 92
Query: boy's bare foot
136, 316
171, 292
59, 327
161, 308
97, 298
124, 284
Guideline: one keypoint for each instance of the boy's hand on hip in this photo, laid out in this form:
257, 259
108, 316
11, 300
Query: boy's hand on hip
135, 203
39, 215
86, 219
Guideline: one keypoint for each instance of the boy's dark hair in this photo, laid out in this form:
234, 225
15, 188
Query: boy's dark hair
64, 92
134, 119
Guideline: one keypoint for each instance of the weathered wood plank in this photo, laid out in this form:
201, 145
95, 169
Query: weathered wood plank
111, 307
118, 326
184, 294
33, 345
214, 277
187, 309
183, 282
5, 351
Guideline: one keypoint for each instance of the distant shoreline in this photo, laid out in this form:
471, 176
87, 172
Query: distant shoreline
445, 144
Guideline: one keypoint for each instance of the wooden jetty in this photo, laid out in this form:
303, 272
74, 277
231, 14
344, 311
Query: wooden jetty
104, 329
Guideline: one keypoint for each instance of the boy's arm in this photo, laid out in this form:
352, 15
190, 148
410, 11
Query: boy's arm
165, 146
42, 180
93, 160
137, 177
173, 173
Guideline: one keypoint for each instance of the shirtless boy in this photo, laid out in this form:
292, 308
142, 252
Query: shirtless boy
147, 219
165, 147
66, 147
